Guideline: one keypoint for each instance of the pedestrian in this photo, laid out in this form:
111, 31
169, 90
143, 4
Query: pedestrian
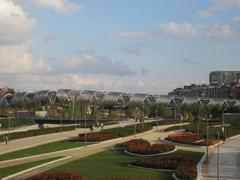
5, 139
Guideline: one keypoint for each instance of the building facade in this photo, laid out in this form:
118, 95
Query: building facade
219, 78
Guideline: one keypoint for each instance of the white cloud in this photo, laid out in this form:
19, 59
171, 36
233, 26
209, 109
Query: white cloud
17, 59
61, 6
187, 30
219, 6
183, 30
136, 34
49, 36
132, 50
80, 80
223, 31
141, 83
86, 61
15, 24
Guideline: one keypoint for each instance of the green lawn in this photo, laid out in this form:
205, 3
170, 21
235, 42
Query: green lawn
37, 132
16, 122
17, 168
197, 156
111, 163
45, 148
140, 127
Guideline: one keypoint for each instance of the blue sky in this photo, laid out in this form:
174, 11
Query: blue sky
132, 46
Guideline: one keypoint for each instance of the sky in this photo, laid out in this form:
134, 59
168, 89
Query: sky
147, 46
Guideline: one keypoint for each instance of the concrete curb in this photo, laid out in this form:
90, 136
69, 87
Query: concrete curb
187, 145
175, 177
233, 137
149, 155
36, 167
199, 167
167, 170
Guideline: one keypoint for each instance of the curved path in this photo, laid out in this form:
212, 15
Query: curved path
80, 152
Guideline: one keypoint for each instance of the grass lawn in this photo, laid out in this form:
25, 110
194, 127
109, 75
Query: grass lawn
140, 127
45, 148
195, 155
17, 168
111, 163
16, 122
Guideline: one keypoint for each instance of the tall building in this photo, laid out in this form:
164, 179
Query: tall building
219, 78
222, 84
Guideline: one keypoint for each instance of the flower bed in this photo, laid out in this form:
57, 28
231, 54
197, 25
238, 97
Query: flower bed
185, 137
183, 164
143, 147
93, 137
76, 176
58, 176
191, 138
187, 170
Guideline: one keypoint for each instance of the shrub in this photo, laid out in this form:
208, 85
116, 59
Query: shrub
37, 132
167, 162
143, 147
187, 170
58, 176
93, 137
191, 138
185, 137
184, 165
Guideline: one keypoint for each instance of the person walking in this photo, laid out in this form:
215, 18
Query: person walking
5, 139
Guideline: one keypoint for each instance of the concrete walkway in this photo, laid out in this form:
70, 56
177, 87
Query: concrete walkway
152, 135
48, 138
229, 155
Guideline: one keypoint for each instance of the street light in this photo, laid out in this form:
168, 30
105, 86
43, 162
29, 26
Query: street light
9, 125
87, 111
135, 123
157, 107
210, 116
61, 109
223, 124
218, 160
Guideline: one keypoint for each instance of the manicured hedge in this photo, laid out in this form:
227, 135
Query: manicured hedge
187, 170
76, 176
58, 176
93, 137
191, 138
184, 165
37, 132
143, 147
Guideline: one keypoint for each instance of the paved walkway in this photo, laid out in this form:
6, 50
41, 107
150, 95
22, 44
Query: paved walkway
47, 138
229, 155
80, 152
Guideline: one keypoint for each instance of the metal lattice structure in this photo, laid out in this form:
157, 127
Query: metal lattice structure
5, 100
45, 97
137, 100
115, 100
105, 100
90, 98
22, 98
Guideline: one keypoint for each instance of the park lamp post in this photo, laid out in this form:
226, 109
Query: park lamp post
87, 111
223, 124
218, 160
9, 124
210, 116
61, 120
135, 123
156, 113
